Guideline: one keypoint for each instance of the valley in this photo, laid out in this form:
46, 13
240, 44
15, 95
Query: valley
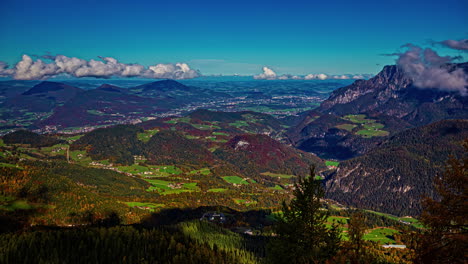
87, 163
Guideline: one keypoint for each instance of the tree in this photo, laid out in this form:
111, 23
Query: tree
446, 238
356, 229
301, 232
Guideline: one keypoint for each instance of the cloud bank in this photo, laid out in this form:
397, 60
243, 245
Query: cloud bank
429, 70
269, 74
106, 67
455, 44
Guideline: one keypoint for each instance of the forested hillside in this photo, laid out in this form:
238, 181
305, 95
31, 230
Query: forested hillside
393, 177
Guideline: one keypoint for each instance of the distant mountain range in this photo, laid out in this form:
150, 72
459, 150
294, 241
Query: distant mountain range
64, 105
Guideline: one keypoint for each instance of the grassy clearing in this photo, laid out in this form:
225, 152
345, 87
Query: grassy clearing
133, 169
372, 133
59, 149
284, 176
191, 185
348, 127
165, 170
373, 126
239, 123
147, 206
217, 190
175, 191
167, 187
178, 120
413, 221
8, 165
220, 134
277, 187
145, 136
235, 180
205, 127
368, 127
213, 149
17, 205
381, 235
358, 119
73, 138
243, 201
332, 163
80, 156
158, 185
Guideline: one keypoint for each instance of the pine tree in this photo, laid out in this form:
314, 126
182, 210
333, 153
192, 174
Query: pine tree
302, 236
356, 244
446, 237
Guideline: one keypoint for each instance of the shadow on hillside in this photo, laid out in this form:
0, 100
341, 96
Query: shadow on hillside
252, 218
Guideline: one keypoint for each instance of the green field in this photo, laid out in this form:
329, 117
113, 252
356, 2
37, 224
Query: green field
359, 119
145, 136
239, 123
348, 127
148, 206
177, 120
277, 187
284, 176
158, 185
73, 138
368, 127
373, 126
235, 180
17, 205
372, 133
133, 169
205, 127
80, 156
8, 165
165, 170
413, 221
217, 190
220, 134
332, 163
381, 235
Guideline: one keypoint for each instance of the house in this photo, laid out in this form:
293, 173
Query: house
394, 246
213, 217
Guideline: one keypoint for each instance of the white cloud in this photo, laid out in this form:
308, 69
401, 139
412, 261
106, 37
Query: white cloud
171, 71
107, 67
456, 44
320, 76
426, 69
340, 77
4, 71
268, 74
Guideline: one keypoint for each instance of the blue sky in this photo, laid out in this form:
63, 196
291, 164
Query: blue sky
227, 37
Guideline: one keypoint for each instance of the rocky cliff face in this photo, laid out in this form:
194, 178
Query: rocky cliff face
382, 87
391, 93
